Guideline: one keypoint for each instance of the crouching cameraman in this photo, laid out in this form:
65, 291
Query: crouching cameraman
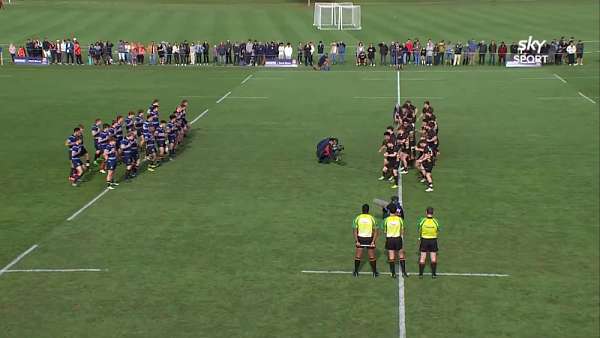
329, 150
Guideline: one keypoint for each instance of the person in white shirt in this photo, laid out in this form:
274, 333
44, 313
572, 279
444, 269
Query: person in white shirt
333, 52
281, 52
12, 50
288, 50
193, 54
571, 49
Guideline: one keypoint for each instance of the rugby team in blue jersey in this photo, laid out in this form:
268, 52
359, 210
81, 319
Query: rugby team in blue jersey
124, 139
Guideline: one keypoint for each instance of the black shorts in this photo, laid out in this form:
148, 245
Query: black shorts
392, 163
428, 168
83, 151
365, 240
393, 243
428, 245
579, 55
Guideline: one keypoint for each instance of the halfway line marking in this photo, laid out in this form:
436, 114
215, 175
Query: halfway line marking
451, 274
247, 78
586, 97
248, 97
16, 260
394, 97
58, 270
223, 97
560, 78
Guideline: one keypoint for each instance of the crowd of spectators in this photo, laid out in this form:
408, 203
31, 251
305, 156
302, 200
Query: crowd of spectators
257, 53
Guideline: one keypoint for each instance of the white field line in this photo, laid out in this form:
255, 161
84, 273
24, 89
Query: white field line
246, 79
394, 97
537, 78
248, 98
16, 260
401, 305
403, 79
449, 274
562, 98
199, 116
223, 97
57, 270
586, 97
88, 204
560, 78
106, 190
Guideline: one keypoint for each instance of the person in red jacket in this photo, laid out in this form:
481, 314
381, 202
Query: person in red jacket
502, 50
77, 49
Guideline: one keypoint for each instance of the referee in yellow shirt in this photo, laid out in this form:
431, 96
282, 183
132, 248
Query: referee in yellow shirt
428, 229
393, 228
365, 236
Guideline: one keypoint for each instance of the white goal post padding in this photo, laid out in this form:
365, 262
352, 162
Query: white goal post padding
337, 16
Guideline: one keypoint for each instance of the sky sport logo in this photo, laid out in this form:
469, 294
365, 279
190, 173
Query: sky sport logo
530, 52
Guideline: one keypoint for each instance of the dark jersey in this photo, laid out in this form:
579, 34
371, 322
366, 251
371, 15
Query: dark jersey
96, 129
138, 122
76, 151
160, 133
130, 124
125, 146
111, 152
172, 130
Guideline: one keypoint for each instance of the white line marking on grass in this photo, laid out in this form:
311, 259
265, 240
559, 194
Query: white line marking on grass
401, 306
403, 79
16, 260
449, 274
199, 116
394, 97
88, 204
247, 78
58, 270
560, 78
537, 78
248, 98
562, 97
586, 97
223, 97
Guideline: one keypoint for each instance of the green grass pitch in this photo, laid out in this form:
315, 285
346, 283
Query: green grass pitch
212, 244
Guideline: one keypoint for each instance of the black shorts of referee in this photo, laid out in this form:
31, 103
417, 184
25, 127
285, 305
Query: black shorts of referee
393, 243
428, 245
365, 240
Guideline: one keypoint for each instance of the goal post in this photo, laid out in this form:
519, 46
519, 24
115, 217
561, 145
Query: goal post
337, 16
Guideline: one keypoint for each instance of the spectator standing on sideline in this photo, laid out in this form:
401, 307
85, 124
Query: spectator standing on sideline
502, 50
333, 51
193, 54
77, 49
153, 53
417, 52
70, 51
206, 51
1, 56
429, 53
514, 50
449, 53
383, 52
12, 50
458, 49
472, 50
441, 52
300, 52
482, 50
342, 52
393, 54
371, 55
228, 50
579, 48
320, 49
492, 49
571, 49
410, 47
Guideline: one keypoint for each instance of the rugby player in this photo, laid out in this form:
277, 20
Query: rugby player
110, 156
103, 137
428, 229
172, 135
150, 143
76, 164
161, 139
425, 164
391, 160
393, 228
126, 150
365, 236
96, 129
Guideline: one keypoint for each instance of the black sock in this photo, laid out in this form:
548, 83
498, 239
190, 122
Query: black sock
384, 174
403, 266
433, 268
393, 268
373, 265
396, 179
127, 173
421, 268
356, 265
